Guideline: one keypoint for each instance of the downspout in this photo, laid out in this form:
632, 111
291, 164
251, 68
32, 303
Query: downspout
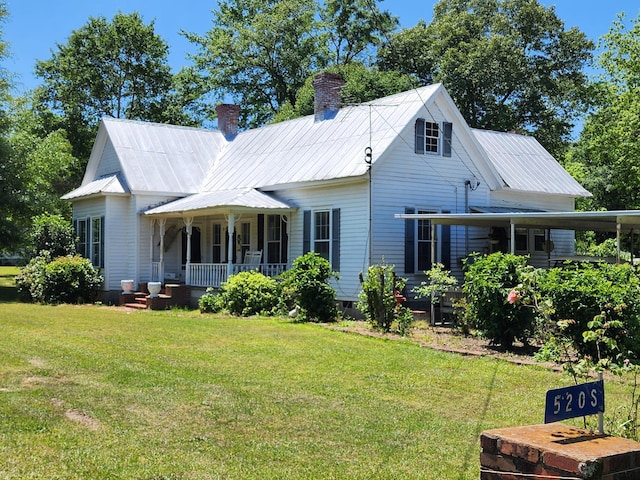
433, 264
467, 186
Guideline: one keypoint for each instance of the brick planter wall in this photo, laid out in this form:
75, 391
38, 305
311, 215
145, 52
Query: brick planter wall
557, 450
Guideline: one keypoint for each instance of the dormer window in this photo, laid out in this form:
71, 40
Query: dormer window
433, 137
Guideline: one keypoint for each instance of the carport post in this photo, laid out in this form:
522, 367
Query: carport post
513, 238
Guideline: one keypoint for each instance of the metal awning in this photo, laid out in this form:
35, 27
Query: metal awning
601, 221
615, 221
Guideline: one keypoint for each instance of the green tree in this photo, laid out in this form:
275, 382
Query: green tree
39, 167
116, 68
353, 27
508, 65
10, 166
609, 144
54, 234
362, 84
260, 53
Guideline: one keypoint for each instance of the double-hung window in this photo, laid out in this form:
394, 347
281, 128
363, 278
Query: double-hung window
424, 242
82, 232
90, 233
433, 137
216, 249
421, 247
274, 239
321, 228
522, 240
245, 238
322, 234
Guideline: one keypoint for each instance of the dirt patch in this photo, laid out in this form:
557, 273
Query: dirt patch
82, 419
36, 362
448, 339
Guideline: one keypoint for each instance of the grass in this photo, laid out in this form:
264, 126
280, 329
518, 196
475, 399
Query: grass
99, 392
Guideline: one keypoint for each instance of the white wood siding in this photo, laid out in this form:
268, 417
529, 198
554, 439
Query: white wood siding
422, 182
120, 258
109, 162
352, 200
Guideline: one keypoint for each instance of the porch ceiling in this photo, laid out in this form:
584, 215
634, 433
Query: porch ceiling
226, 201
583, 221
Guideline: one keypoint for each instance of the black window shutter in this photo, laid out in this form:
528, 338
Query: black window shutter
102, 235
445, 234
77, 234
261, 233
420, 135
284, 246
335, 240
447, 128
409, 243
306, 232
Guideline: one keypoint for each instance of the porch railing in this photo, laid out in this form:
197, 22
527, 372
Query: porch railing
207, 274
214, 274
156, 272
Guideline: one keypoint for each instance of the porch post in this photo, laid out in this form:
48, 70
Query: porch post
513, 238
618, 233
432, 310
163, 223
231, 226
434, 232
188, 221
151, 232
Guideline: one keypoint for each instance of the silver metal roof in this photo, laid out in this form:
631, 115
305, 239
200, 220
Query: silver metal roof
163, 158
109, 184
303, 150
214, 201
525, 165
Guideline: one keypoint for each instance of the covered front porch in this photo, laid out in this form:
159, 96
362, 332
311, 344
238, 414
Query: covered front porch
204, 239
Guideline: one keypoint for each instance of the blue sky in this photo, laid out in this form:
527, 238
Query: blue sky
36, 26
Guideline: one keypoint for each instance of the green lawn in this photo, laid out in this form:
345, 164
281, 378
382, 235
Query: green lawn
91, 392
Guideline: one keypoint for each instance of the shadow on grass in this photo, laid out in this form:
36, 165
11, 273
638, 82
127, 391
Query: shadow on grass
8, 294
8, 289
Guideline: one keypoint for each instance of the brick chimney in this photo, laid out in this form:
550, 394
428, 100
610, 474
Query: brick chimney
228, 115
327, 88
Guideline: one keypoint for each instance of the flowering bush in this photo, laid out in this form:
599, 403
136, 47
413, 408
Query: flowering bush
497, 308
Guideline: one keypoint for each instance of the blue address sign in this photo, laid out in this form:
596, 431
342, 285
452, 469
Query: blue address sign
575, 401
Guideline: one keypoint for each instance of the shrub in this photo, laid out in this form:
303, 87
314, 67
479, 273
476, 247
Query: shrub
249, 293
439, 280
30, 280
488, 281
306, 286
592, 300
378, 300
54, 234
211, 302
69, 279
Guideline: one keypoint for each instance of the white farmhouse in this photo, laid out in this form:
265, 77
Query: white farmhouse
185, 205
